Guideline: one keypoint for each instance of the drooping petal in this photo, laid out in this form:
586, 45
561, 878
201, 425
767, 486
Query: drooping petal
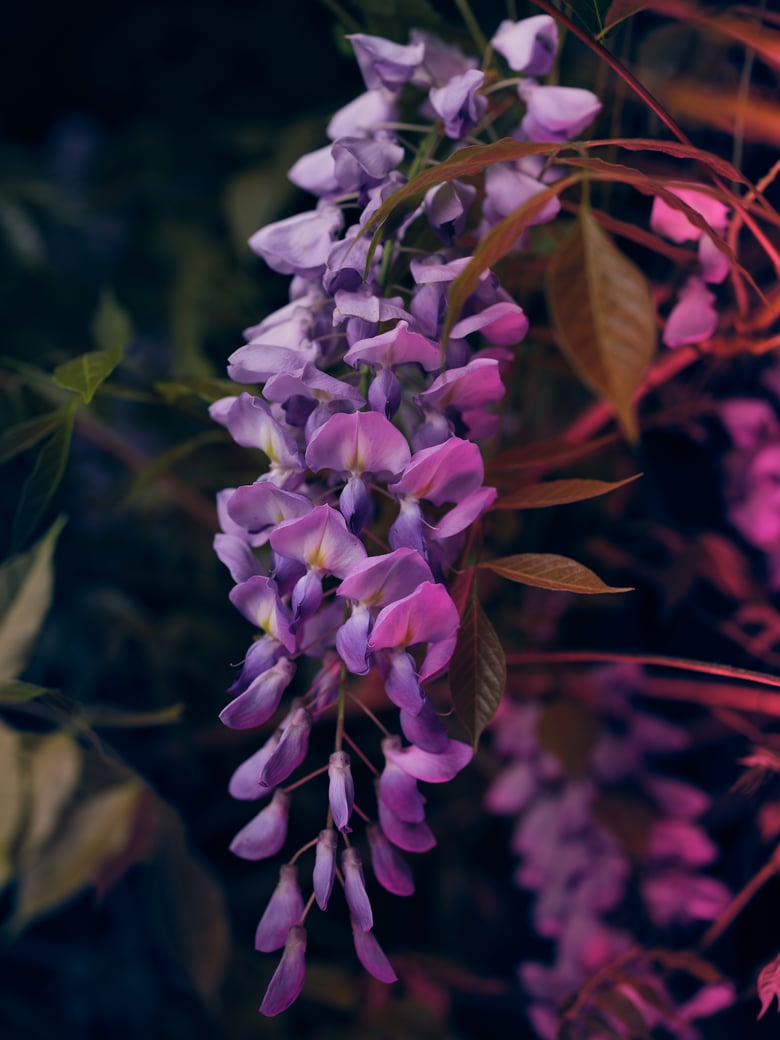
250, 424
425, 730
412, 837
258, 507
363, 116
674, 224
474, 386
237, 556
459, 104
401, 683
324, 867
693, 318
245, 782
529, 45
392, 871
371, 956
355, 890
299, 244
556, 113
290, 751
341, 789
398, 346
266, 833
352, 640
398, 789
282, 913
384, 63
464, 514
287, 981
435, 769
447, 206
315, 172
502, 323
260, 699
360, 162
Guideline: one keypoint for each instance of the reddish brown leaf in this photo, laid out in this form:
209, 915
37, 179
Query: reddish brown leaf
604, 316
477, 671
549, 571
558, 493
546, 453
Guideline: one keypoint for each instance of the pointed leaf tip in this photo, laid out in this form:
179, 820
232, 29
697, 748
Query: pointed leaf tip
550, 571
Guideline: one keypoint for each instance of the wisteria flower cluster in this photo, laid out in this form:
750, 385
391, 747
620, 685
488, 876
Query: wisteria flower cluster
578, 867
342, 548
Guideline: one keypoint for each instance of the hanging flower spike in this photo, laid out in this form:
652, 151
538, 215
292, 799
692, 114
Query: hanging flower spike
287, 982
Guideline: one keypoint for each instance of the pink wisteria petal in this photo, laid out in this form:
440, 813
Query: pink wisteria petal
529, 46
715, 265
465, 513
283, 912
446, 472
503, 324
476, 386
425, 729
257, 507
364, 115
341, 789
244, 784
399, 346
319, 540
368, 306
287, 981
556, 113
693, 318
392, 871
507, 187
258, 362
312, 383
458, 103
260, 699
425, 615
258, 600
264, 835
398, 789
379, 580
299, 244
291, 750
411, 837
237, 556
371, 955
384, 63
674, 224
251, 424
402, 685
435, 769
363, 442
355, 890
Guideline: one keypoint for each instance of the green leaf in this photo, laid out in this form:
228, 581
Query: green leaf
208, 390
103, 716
558, 493
477, 671
25, 595
10, 799
604, 317
43, 481
27, 434
95, 831
112, 329
568, 730
52, 772
549, 571
16, 692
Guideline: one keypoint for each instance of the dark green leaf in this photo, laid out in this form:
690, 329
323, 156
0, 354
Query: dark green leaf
25, 595
604, 316
27, 434
84, 374
43, 481
549, 571
477, 671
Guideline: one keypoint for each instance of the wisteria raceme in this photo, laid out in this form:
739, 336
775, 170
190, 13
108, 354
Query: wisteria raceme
370, 425
578, 867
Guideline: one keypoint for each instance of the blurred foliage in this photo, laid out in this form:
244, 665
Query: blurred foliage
149, 141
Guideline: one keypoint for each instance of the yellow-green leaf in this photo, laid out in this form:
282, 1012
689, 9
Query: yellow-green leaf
26, 434
550, 571
477, 671
10, 798
558, 493
604, 317
112, 331
14, 691
25, 595
52, 772
96, 830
